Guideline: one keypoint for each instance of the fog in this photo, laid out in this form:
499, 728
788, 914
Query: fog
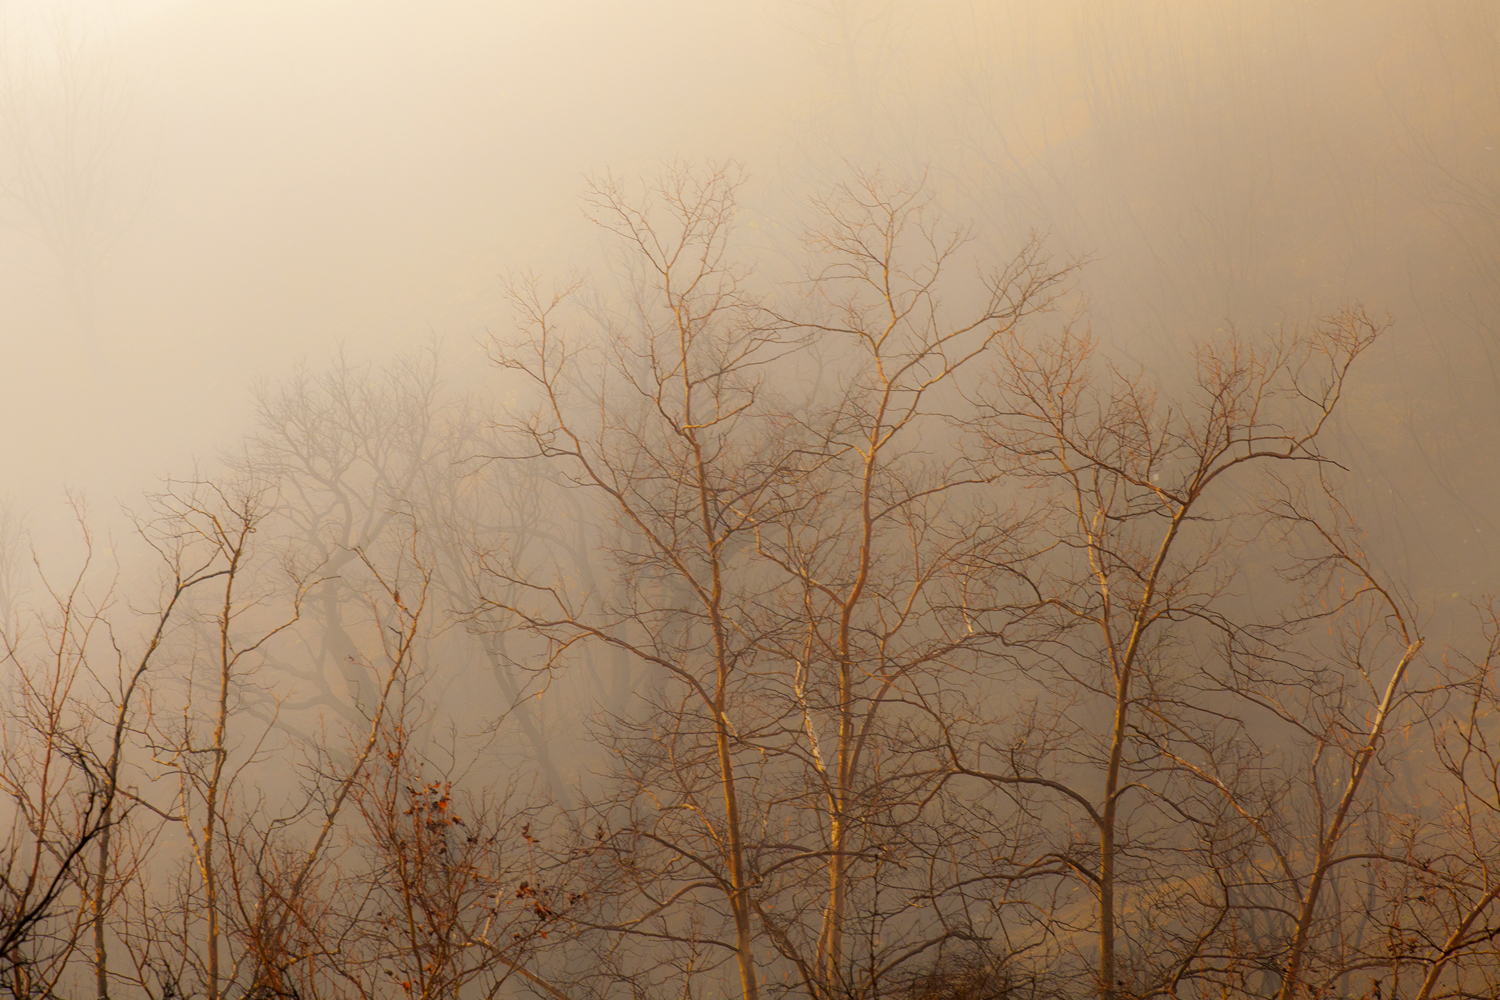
274, 180
207, 205
250, 186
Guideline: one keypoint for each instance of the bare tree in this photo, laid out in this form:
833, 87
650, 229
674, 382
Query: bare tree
188, 564
58, 805
793, 585
1444, 925
451, 896
63, 779
201, 751
674, 466
285, 865
1145, 505
884, 553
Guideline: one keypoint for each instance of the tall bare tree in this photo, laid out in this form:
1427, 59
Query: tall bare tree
792, 578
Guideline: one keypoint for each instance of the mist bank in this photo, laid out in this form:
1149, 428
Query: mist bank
266, 182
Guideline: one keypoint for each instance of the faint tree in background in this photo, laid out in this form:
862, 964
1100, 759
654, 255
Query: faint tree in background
13, 583
64, 112
347, 447
360, 453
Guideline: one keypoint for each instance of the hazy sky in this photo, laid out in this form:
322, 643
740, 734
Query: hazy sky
282, 178
221, 190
